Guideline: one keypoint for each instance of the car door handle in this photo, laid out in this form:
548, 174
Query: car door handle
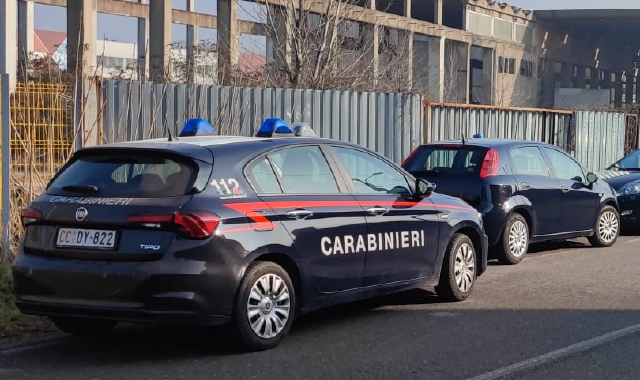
299, 213
565, 189
525, 185
377, 210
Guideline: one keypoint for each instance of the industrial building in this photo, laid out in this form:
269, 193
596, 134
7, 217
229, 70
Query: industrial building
456, 51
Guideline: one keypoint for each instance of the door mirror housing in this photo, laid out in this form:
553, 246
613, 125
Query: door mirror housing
424, 188
592, 177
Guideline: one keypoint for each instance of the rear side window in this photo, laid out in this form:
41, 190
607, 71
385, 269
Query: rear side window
528, 161
440, 160
125, 175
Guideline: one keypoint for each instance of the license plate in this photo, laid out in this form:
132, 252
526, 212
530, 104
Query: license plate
85, 238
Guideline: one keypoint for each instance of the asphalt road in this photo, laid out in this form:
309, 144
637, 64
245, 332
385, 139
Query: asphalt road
568, 311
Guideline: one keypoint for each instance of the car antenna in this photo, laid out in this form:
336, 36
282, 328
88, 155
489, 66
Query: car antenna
463, 140
169, 133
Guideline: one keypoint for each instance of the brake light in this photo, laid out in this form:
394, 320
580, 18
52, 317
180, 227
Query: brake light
29, 215
196, 225
490, 164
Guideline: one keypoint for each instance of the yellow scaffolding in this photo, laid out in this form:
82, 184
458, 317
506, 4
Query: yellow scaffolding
42, 129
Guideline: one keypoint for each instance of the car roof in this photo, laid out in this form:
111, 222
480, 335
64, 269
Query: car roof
484, 142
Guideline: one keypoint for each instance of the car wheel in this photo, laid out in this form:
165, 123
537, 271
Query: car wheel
607, 228
458, 274
83, 326
514, 243
265, 306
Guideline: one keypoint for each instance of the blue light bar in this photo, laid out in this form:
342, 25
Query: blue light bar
478, 136
273, 126
197, 126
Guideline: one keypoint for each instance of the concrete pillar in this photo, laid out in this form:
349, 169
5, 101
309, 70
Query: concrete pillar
406, 41
465, 71
581, 77
488, 75
437, 11
629, 90
565, 75
192, 43
279, 46
371, 44
407, 8
159, 40
228, 39
605, 83
25, 30
8, 57
143, 46
594, 82
618, 89
436, 68
82, 22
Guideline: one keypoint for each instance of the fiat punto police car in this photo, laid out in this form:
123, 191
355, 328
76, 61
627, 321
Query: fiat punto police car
250, 231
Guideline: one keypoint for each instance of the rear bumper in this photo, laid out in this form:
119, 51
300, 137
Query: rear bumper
175, 291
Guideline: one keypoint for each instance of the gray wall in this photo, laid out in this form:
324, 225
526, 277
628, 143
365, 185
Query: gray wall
390, 124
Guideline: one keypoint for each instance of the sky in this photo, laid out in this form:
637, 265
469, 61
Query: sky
125, 28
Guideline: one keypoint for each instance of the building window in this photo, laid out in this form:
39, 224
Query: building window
507, 65
526, 68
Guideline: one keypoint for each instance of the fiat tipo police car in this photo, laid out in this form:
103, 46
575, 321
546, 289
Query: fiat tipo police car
249, 231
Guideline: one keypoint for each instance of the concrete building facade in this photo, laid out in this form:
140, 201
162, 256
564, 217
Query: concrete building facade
459, 51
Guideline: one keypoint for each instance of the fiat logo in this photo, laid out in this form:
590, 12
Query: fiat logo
81, 214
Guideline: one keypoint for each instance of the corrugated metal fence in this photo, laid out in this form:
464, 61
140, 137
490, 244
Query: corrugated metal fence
452, 121
600, 138
390, 124
596, 139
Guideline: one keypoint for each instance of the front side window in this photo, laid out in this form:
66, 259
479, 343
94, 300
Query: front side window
528, 161
371, 175
565, 166
303, 170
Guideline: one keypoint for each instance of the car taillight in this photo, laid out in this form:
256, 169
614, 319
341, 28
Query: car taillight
409, 157
490, 164
29, 215
196, 225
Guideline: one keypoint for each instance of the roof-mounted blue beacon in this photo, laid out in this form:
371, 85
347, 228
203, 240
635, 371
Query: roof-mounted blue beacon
302, 129
197, 127
478, 136
274, 127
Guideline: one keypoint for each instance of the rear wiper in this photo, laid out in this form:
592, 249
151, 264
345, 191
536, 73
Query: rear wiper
81, 188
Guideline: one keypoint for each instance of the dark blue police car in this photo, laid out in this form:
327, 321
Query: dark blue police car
248, 230
526, 191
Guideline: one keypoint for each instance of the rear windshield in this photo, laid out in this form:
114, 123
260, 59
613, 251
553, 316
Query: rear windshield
125, 174
440, 160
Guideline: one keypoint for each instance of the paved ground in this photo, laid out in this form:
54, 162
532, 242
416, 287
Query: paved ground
568, 311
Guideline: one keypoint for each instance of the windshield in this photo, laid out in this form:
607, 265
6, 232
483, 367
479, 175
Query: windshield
447, 160
125, 175
630, 162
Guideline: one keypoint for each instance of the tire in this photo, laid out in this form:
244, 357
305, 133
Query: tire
514, 243
270, 322
83, 326
607, 228
459, 269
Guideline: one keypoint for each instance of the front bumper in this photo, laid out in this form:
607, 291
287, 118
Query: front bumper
629, 208
173, 291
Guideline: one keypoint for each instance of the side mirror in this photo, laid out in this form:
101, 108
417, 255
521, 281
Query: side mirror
424, 188
592, 177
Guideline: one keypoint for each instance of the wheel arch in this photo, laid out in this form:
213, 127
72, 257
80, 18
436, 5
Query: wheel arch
476, 239
292, 269
522, 211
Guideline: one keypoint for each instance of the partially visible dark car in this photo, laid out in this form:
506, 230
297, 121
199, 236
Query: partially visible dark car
526, 191
624, 177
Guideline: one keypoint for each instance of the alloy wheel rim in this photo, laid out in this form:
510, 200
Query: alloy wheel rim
465, 267
608, 226
518, 237
268, 306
